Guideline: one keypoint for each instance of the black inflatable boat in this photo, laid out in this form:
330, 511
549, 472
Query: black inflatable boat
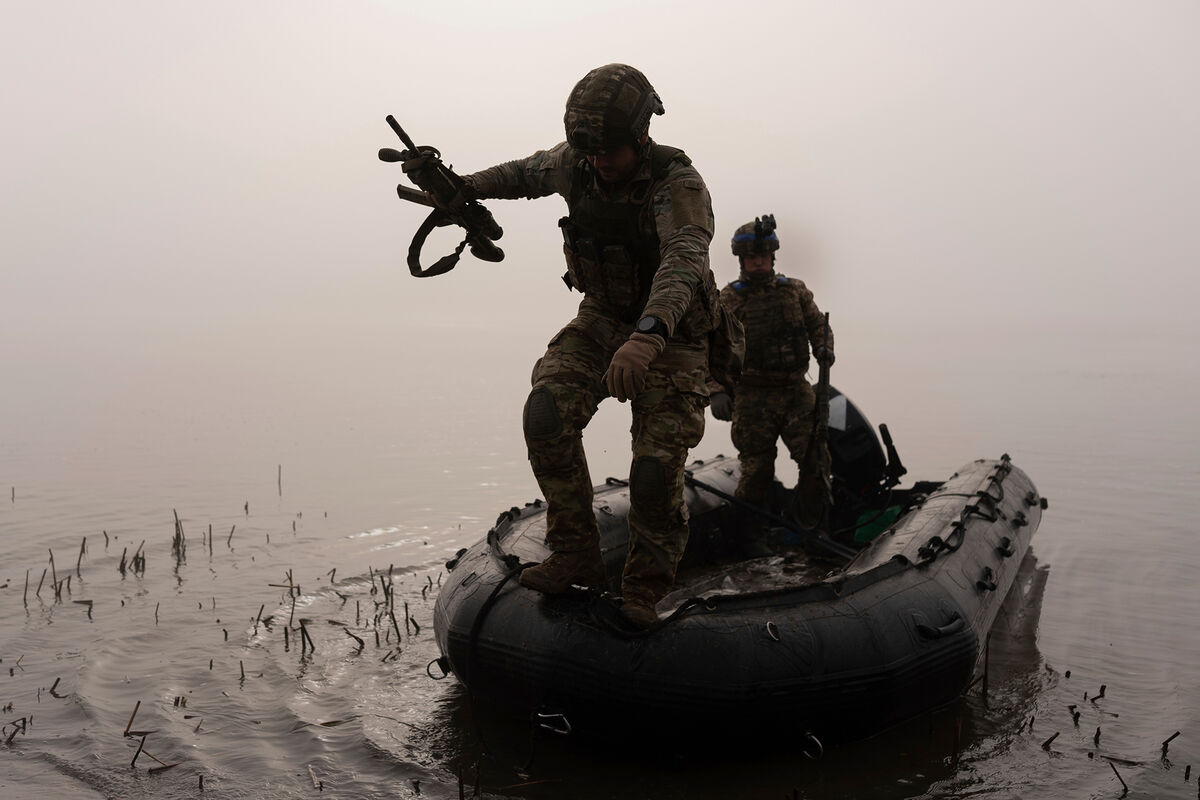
801, 642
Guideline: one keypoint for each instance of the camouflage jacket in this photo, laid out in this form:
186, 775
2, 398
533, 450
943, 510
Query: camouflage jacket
781, 319
673, 209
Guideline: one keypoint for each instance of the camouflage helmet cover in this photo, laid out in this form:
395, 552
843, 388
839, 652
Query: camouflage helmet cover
610, 107
756, 237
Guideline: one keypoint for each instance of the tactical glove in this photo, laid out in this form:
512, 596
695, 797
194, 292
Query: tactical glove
423, 170
416, 166
824, 356
626, 373
722, 406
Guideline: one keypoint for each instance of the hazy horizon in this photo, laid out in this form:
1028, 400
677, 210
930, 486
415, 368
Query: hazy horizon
194, 207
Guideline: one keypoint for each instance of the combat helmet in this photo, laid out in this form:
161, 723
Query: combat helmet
609, 108
756, 237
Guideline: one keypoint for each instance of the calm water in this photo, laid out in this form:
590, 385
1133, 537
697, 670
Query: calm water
325, 471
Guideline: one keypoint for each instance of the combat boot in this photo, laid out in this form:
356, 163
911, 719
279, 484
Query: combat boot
562, 570
639, 610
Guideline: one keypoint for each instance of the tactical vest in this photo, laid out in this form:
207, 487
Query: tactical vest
612, 248
776, 338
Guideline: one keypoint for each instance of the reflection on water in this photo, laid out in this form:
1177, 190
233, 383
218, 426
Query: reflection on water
297, 496
260, 663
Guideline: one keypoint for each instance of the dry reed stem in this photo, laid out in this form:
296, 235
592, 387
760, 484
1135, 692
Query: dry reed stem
131, 716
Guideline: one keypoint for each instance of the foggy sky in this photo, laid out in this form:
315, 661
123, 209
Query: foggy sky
198, 182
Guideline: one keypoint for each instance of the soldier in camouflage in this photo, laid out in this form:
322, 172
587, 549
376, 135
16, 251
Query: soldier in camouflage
773, 400
636, 241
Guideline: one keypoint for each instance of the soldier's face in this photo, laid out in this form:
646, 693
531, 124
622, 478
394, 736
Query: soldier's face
757, 263
615, 167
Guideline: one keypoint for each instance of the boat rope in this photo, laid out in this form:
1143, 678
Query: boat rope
601, 606
514, 567
986, 507
601, 602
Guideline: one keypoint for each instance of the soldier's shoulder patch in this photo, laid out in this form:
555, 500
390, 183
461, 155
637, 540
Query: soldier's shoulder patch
739, 286
687, 202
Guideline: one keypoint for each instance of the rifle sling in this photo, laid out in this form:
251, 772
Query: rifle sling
436, 219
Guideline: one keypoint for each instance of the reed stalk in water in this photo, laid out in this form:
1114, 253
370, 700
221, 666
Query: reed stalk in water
129, 724
1124, 785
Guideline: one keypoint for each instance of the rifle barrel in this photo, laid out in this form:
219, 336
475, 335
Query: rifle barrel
400, 132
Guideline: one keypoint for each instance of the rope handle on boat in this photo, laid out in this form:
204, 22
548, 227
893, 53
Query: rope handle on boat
605, 621
987, 581
546, 721
443, 664
936, 545
992, 512
929, 551
955, 624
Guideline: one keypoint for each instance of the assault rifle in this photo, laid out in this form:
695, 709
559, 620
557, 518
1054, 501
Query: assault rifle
452, 203
813, 488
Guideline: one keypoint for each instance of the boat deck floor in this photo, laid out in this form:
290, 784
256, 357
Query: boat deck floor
789, 566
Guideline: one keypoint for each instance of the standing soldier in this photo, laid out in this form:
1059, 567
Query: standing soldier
773, 400
636, 239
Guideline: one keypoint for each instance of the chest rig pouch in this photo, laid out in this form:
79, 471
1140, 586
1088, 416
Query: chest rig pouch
612, 247
776, 338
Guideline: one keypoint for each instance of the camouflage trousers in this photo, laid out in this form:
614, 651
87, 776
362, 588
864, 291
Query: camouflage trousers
668, 420
762, 415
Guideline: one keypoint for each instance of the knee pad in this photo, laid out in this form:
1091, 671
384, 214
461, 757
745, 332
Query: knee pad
648, 486
541, 419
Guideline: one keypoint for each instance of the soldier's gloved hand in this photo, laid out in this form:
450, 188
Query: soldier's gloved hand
626, 373
722, 406
418, 166
824, 356
416, 163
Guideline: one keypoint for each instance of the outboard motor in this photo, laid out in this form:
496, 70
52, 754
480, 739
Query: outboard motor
862, 473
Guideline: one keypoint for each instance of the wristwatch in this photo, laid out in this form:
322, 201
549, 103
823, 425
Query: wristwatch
652, 325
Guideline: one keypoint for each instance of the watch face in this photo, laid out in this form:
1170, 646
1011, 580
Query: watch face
646, 324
